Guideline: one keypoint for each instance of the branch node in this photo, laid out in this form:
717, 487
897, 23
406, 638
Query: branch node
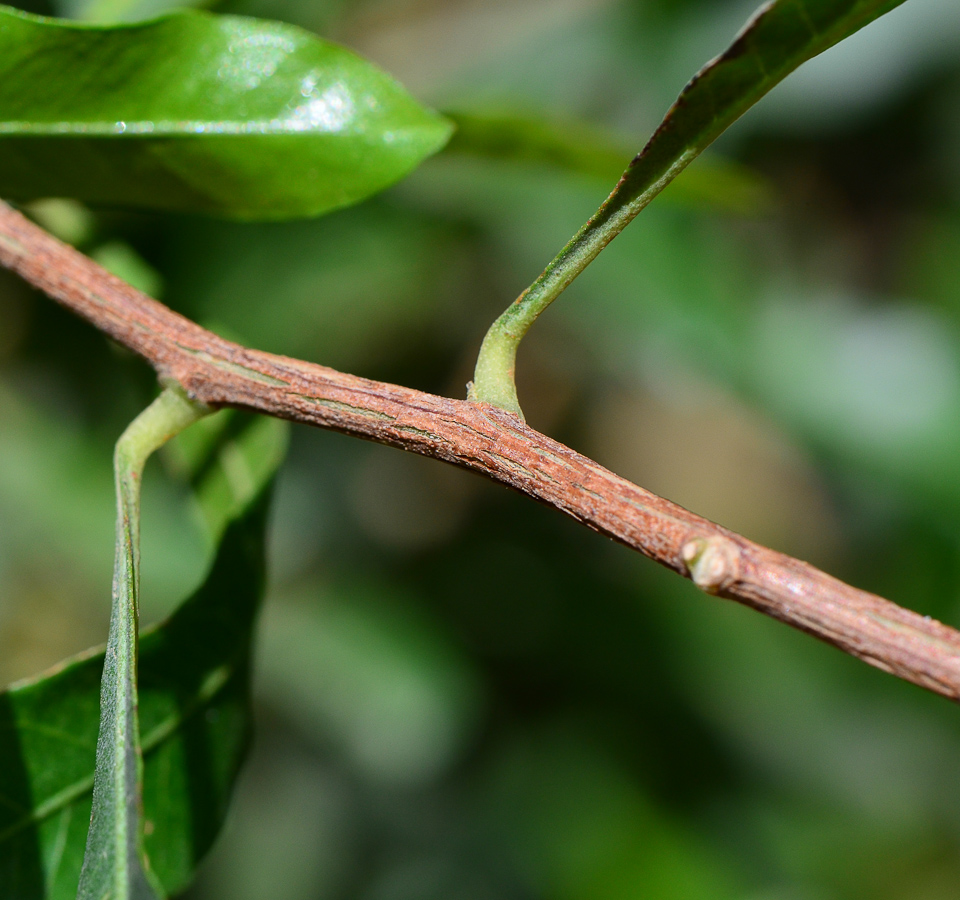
495, 444
713, 562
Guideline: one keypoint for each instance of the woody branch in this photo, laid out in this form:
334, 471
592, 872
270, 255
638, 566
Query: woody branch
496, 444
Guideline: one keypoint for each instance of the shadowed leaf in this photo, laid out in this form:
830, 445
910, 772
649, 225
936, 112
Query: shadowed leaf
194, 712
590, 150
782, 35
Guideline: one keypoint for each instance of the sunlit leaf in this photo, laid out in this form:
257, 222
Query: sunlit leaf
200, 113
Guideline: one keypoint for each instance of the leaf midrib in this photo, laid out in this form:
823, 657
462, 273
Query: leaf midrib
186, 128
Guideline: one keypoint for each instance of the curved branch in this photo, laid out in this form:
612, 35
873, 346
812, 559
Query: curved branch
496, 444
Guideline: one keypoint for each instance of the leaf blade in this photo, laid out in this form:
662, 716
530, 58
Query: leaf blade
584, 149
778, 38
115, 866
200, 113
194, 693
781, 35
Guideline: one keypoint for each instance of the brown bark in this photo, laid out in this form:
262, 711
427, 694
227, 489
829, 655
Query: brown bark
496, 444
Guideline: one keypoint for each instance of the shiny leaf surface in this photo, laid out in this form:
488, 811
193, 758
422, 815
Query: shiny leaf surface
200, 113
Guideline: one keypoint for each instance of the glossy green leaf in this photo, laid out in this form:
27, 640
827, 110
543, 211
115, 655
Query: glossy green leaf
200, 113
590, 150
782, 35
194, 707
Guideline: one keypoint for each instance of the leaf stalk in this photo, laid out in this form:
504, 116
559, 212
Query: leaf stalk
114, 865
494, 376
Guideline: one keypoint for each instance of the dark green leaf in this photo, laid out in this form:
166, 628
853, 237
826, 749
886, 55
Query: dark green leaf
200, 113
590, 150
194, 711
782, 35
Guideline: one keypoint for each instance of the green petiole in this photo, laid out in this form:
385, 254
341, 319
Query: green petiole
493, 380
114, 865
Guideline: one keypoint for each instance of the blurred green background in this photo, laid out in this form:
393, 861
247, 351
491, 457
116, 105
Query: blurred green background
461, 694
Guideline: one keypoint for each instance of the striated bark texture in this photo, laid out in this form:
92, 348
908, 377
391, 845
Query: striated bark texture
496, 444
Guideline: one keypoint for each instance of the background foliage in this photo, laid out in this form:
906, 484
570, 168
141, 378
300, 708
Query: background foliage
572, 722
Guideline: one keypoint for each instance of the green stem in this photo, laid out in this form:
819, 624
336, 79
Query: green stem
493, 380
113, 864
